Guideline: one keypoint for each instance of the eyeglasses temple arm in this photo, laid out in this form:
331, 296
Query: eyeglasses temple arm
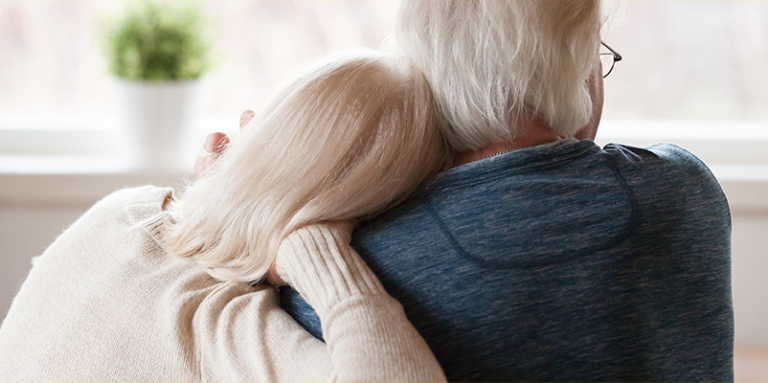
616, 55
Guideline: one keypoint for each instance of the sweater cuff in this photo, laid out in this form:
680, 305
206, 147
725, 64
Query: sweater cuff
319, 263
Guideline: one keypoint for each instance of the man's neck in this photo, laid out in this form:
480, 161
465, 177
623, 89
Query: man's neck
534, 133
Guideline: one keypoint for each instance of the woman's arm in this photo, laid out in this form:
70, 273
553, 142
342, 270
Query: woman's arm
243, 335
368, 335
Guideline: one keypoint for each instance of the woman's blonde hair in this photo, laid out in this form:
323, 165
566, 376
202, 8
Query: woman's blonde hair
493, 64
351, 135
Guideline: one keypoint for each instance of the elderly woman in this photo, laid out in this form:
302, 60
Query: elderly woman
147, 287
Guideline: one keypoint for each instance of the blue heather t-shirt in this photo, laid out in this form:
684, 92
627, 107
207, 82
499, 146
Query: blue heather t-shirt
562, 262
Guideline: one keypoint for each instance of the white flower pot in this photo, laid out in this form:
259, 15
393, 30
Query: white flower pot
157, 124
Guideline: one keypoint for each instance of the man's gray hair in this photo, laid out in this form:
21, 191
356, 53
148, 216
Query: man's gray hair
492, 64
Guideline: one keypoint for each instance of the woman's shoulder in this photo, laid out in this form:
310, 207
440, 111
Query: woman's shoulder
148, 196
130, 205
118, 211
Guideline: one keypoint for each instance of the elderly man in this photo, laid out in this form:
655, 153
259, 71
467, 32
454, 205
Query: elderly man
541, 256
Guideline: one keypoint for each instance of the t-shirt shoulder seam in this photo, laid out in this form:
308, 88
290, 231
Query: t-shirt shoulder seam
502, 173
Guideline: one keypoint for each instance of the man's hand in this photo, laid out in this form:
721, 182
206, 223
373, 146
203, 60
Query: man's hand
215, 144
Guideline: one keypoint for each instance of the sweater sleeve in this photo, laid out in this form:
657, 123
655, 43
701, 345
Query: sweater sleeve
367, 333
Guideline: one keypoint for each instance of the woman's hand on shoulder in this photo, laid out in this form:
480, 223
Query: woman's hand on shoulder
342, 227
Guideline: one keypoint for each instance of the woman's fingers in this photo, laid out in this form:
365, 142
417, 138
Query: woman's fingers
246, 117
273, 278
214, 145
343, 226
203, 162
216, 142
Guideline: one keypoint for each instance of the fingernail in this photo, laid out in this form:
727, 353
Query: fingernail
209, 142
246, 117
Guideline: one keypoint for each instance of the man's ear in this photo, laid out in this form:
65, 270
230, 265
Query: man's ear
595, 87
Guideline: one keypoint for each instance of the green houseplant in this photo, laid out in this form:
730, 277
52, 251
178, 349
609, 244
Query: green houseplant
158, 51
157, 42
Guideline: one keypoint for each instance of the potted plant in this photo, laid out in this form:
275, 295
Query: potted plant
158, 51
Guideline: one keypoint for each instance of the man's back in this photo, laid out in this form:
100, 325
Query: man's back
563, 262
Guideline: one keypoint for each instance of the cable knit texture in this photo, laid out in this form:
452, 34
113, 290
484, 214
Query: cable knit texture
106, 302
328, 273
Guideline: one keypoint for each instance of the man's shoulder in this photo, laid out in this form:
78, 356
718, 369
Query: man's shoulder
662, 154
660, 170
661, 162
669, 176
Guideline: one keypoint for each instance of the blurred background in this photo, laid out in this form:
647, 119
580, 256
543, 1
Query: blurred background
694, 74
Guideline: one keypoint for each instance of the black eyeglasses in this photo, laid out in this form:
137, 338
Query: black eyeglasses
609, 60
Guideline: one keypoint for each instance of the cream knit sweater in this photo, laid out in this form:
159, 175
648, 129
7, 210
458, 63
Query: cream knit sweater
105, 302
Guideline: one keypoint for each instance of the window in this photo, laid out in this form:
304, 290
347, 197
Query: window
693, 74
51, 62
690, 60
693, 71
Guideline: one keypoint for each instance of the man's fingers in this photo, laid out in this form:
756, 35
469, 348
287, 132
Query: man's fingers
246, 117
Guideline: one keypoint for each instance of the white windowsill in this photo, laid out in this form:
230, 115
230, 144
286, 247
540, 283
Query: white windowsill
69, 160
